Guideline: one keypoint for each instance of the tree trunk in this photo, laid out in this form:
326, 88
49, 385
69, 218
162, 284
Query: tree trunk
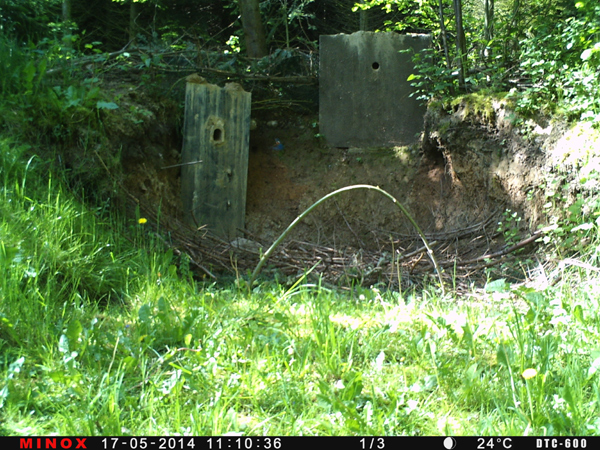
256, 42
511, 44
133, 15
488, 9
516, 13
461, 44
444, 35
363, 18
66, 10
66, 18
488, 28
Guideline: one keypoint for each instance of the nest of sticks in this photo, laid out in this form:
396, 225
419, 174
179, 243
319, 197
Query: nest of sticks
392, 259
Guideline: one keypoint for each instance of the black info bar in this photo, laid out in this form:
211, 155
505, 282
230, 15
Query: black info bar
237, 442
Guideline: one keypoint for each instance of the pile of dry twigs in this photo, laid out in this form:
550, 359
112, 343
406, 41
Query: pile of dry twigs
391, 259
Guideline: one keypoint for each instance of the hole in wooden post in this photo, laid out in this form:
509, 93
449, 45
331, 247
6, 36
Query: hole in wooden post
217, 135
375, 65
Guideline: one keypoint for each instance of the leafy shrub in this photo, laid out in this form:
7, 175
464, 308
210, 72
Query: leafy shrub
562, 67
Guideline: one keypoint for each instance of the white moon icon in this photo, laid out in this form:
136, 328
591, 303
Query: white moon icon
449, 443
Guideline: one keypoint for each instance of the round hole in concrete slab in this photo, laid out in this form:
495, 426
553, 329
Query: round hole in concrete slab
375, 65
217, 135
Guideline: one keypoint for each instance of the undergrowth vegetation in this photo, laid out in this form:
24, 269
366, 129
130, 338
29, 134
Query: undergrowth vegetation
102, 331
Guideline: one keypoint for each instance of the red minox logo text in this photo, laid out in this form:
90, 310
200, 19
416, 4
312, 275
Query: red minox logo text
48, 443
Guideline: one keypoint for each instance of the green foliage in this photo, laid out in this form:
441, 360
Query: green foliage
43, 96
287, 22
509, 226
433, 79
162, 325
412, 17
570, 192
537, 355
572, 223
52, 242
546, 53
154, 352
562, 66
27, 20
103, 331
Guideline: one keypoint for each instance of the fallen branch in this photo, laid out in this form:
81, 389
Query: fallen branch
574, 262
413, 253
504, 252
101, 58
253, 77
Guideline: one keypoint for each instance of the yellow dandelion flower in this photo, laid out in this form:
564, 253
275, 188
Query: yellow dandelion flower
528, 374
142, 220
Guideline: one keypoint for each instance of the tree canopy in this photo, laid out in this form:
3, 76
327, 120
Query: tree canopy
548, 51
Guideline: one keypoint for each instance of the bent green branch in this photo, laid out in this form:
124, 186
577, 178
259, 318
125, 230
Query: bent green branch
268, 253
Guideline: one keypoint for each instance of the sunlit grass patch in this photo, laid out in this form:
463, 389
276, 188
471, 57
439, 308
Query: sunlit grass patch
105, 335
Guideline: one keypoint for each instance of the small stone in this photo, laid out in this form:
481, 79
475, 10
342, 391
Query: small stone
246, 245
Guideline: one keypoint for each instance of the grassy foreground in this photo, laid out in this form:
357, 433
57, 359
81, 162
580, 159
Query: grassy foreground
102, 332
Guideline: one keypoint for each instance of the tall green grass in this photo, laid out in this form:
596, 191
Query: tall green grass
103, 331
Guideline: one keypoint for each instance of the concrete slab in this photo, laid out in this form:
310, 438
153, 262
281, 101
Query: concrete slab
363, 93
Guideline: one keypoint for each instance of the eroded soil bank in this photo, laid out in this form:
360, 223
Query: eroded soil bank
470, 166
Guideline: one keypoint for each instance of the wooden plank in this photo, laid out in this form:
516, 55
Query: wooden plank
217, 133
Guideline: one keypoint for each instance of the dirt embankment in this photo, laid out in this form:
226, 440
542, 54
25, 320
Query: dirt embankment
484, 163
469, 167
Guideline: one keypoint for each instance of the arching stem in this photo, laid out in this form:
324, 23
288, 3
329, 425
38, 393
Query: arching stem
268, 253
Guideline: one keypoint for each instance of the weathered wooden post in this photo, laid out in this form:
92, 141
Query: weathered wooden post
214, 171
